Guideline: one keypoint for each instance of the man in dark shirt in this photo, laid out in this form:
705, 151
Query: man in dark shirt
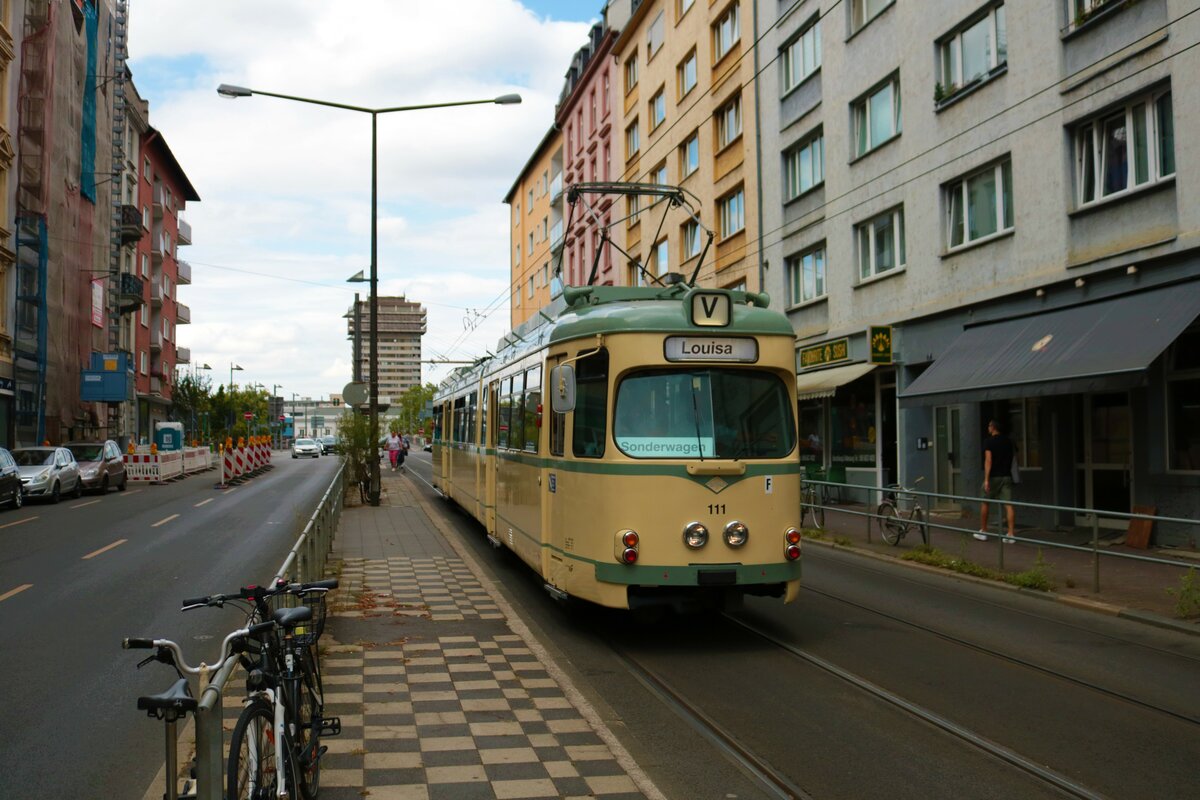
997, 479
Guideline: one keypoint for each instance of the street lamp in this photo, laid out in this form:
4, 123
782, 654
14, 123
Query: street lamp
233, 368
233, 92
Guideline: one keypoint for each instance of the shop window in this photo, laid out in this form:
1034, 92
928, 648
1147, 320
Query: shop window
852, 423
812, 433
1183, 402
1024, 423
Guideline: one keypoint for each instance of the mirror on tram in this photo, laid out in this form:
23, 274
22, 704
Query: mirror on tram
562, 389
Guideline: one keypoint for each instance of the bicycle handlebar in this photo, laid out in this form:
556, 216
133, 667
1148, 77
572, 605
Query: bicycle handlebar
136, 643
255, 592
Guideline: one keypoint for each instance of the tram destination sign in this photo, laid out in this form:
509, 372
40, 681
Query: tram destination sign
710, 348
827, 353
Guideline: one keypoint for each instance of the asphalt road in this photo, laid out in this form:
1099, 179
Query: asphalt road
1108, 706
77, 577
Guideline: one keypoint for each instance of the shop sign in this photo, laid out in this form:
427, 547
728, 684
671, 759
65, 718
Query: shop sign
880, 337
823, 354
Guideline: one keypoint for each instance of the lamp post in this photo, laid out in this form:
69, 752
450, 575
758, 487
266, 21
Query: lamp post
196, 368
233, 92
232, 368
276, 422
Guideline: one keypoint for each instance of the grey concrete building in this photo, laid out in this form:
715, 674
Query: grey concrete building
976, 210
401, 326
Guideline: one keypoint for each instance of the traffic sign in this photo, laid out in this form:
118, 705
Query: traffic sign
281, 417
248, 415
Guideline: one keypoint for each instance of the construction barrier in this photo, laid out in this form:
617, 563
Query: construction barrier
153, 467
195, 459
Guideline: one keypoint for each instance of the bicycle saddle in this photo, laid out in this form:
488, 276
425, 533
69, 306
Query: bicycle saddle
177, 700
291, 617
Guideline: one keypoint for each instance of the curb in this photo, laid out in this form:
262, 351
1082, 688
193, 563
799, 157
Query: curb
1083, 603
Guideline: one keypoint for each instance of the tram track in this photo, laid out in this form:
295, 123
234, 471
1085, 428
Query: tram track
1084, 684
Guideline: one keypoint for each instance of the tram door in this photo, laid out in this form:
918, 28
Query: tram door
554, 567
487, 446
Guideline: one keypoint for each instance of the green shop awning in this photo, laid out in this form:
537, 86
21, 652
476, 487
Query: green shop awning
824, 382
1101, 346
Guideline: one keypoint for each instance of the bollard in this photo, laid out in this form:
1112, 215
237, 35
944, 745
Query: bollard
1095, 552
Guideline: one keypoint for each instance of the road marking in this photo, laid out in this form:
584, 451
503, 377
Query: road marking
202, 502
105, 549
17, 590
88, 503
19, 522
131, 491
230, 491
164, 521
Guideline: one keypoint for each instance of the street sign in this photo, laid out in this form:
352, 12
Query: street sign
354, 394
248, 415
281, 417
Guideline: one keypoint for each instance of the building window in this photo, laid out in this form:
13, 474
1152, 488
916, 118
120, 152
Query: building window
801, 57
592, 107
689, 155
726, 32
691, 239
654, 36
658, 109
146, 169
518, 254
530, 250
662, 260
633, 205
881, 243
632, 143
972, 51
145, 316
684, 6
980, 205
517, 295
529, 209
145, 266
863, 11
877, 116
733, 213
517, 215
145, 366
604, 96
686, 74
659, 174
806, 275
530, 291
1183, 402
1125, 148
729, 122
631, 73
546, 274
607, 160
804, 166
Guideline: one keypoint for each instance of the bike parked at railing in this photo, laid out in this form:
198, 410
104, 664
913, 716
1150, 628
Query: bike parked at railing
893, 525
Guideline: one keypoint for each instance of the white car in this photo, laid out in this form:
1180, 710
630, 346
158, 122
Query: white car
306, 448
48, 472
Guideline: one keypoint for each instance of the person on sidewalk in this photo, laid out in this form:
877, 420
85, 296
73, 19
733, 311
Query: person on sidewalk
403, 452
393, 447
997, 480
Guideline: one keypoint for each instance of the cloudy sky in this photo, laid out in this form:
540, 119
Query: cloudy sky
284, 216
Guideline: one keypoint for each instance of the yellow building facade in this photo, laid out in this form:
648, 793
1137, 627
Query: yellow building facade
685, 83
531, 263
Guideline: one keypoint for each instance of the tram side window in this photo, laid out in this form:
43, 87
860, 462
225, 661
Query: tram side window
472, 402
483, 416
516, 423
437, 423
533, 397
505, 407
589, 430
460, 419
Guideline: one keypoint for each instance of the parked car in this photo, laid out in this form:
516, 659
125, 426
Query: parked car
10, 480
306, 448
429, 447
101, 464
329, 444
48, 472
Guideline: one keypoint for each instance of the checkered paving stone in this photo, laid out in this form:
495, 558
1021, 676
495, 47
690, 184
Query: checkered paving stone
459, 717
439, 588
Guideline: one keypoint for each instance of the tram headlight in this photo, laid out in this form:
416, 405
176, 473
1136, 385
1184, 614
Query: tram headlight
695, 535
736, 534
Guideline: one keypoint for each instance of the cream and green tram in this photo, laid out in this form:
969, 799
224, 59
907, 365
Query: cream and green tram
638, 448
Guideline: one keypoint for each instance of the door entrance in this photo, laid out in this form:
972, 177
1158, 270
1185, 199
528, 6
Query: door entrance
947, 446
1103, 455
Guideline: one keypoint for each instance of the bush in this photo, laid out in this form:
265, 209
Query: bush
355, 430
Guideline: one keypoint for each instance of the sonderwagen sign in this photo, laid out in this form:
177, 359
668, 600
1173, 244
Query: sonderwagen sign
710, 348
822, 354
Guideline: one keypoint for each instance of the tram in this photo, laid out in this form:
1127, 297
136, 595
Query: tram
635, 447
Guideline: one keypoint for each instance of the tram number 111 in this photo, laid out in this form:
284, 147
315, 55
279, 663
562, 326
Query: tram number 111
717, 509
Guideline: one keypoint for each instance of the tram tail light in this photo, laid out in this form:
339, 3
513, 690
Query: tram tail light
792, 551
627, 546
791, 546
792, 536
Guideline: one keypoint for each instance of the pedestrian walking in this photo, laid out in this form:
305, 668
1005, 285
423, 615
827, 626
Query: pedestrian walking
394, 443
997, 480
403, 452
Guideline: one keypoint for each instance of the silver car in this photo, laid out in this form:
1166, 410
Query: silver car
48, 472
306, 448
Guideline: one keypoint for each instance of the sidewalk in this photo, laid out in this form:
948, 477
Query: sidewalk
441, 690
1128, 588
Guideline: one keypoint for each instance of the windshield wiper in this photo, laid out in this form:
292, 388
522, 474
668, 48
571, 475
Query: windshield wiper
696, 415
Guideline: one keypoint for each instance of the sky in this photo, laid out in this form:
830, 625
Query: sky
285, 187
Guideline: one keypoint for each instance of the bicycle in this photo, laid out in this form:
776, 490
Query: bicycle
285, 701
813, 499
892, 525
176, 702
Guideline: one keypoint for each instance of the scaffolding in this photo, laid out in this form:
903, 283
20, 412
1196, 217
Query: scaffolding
116, 187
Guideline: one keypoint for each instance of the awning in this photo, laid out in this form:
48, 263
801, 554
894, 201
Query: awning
823, 383
1102, 346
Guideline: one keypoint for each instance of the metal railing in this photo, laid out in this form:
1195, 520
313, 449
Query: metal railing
305, 562
875, 496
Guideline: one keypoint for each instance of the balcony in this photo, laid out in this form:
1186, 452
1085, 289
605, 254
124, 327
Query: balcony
156, 293
185, 231
131, 224
556, 237
156, 341
183, 355
131, 291
160, 199
556, 187
183, 314
155, 386
183, 275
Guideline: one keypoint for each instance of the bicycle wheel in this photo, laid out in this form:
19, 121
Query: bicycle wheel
306, 737
891, 527
254, 768
918, 519
819, 501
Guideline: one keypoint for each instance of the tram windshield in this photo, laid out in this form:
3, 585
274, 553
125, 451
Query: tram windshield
707, 413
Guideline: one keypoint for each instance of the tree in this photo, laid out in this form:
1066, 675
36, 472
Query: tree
191, 401
412, 405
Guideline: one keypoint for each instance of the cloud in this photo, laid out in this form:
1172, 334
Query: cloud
285, 186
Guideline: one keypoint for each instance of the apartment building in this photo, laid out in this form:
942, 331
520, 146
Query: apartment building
535, 221
977, 210
401, 325
10, 31
685, 99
